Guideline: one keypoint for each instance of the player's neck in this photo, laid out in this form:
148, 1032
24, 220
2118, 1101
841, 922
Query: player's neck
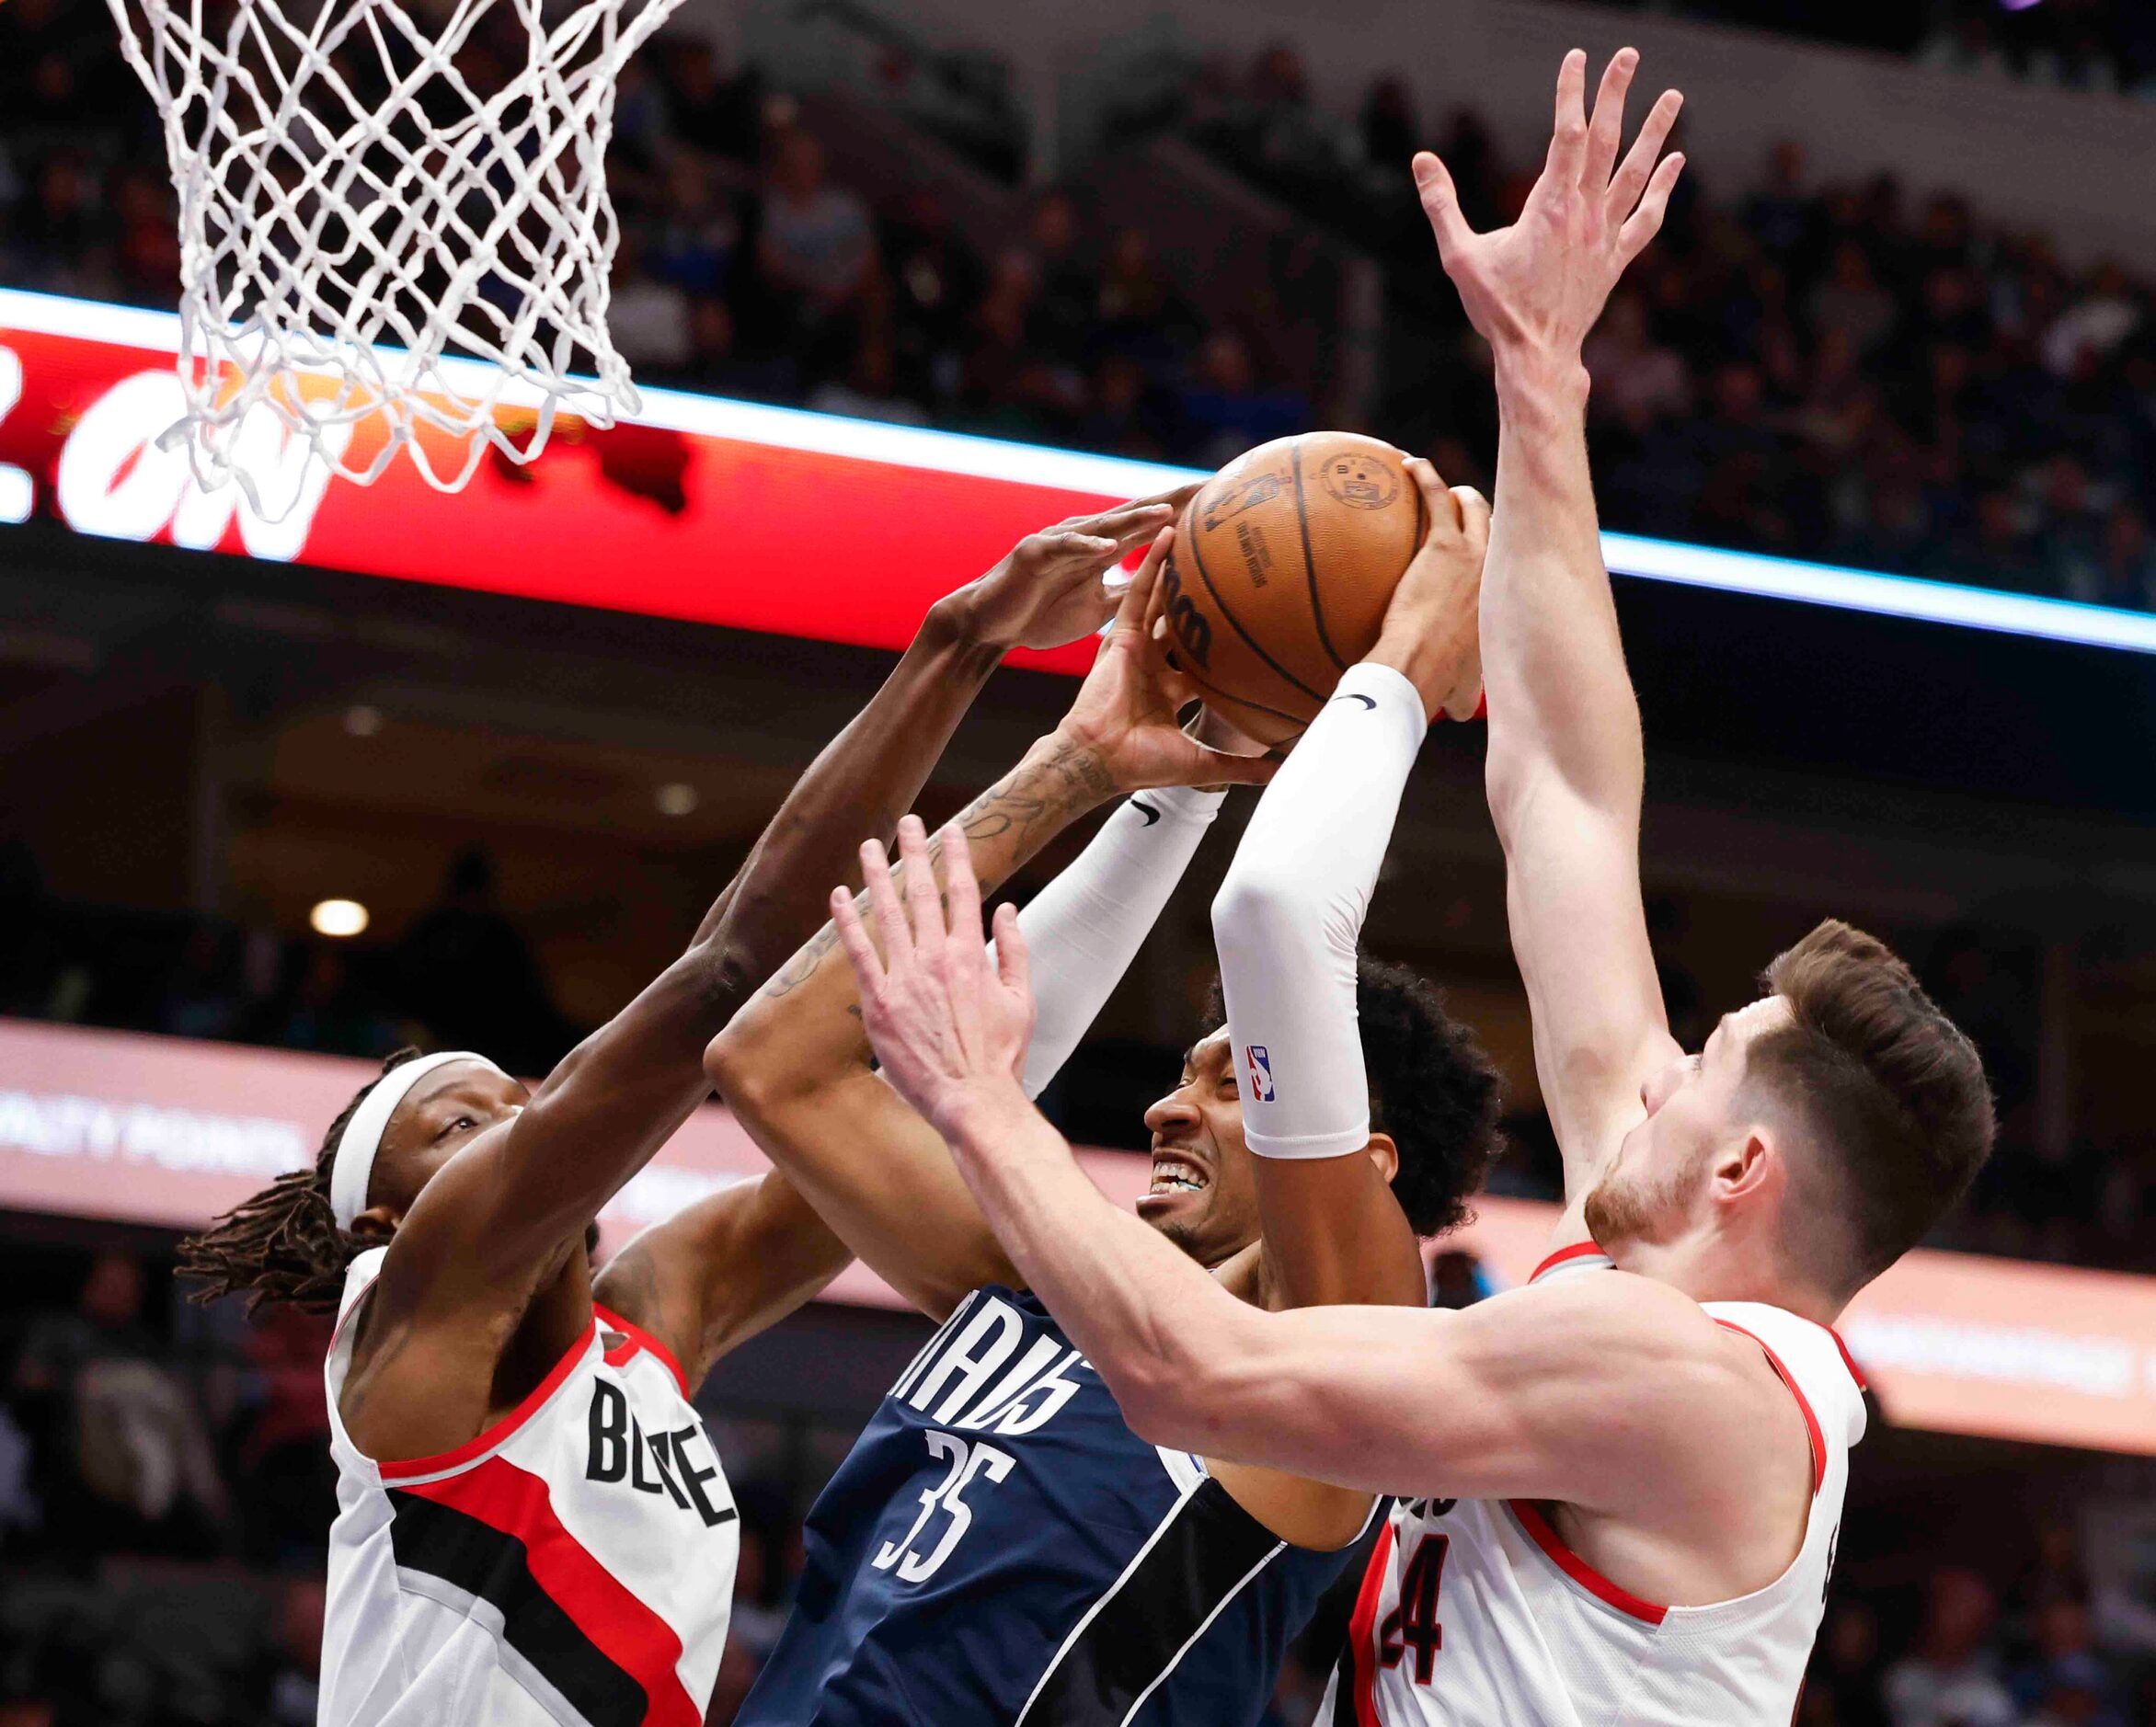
1242, 1273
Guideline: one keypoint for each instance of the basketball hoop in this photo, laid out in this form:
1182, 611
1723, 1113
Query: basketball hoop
393, 227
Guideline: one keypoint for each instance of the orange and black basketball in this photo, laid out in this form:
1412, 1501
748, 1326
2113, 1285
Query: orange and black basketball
1281, 570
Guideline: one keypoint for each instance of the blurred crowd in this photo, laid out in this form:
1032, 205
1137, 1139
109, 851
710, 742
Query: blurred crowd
165, 1494
2100, 45
2050, 1649
1821, 370
1825, 369
2108, 46
165, 1497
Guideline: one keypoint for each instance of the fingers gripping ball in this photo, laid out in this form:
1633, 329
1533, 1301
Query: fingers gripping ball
1281, 569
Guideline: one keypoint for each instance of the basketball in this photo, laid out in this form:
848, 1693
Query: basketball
1281, 572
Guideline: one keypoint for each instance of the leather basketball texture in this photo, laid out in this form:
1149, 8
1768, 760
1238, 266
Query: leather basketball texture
1281, 572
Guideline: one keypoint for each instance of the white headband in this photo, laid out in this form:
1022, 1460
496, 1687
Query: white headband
353, 1163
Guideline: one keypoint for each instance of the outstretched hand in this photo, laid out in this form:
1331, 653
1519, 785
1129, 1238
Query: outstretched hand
1125, 716
1431, 632
949, 1033
1541, 283
1053, 587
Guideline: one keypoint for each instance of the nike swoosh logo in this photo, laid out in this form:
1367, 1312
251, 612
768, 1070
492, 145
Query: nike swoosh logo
1145, 809
1370, 702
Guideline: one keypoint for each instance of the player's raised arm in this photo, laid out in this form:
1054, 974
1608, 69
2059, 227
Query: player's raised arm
1287, 920
735, 1262
1565, 766
795, 1064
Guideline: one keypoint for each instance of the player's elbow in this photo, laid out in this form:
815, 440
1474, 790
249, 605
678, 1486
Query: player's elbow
738, 1063
1184, 1399
719, 974
1149, 1371
1265, 907
1161, 1403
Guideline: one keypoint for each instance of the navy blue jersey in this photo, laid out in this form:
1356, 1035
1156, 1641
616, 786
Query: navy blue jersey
1000, 1549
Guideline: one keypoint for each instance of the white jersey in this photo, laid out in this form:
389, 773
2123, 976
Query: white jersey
573, 1566
1473, 1613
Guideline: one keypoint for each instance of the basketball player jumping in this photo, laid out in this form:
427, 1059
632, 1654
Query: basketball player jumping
1000, 1547
1630, 1482
533, 1528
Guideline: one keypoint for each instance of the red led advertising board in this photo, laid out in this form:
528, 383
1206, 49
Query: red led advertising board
705, 509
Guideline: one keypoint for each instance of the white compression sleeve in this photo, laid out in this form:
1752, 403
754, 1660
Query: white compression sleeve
1288, 918
1084, 928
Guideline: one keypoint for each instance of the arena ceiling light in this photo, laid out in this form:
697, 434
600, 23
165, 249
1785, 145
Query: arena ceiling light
782, 488
339, 918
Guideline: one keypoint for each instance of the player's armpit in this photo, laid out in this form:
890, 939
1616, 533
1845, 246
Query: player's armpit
882, 1179
1303, 1512
721, 1270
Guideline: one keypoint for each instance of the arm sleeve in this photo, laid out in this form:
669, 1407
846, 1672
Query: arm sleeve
1288, 918
1084, 928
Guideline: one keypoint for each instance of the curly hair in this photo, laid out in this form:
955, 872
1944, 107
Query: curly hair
283, 1244
1432, 1088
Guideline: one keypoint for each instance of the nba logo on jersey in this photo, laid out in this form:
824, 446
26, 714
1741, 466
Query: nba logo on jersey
1261, 1074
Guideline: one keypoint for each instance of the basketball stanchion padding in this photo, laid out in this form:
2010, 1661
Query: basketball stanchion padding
395, 228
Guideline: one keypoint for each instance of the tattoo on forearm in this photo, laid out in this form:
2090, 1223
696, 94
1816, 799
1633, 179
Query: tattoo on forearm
1030, 804
797, 970
1068, 779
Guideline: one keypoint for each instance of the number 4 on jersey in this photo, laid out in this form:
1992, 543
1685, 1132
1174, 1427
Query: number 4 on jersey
1413, 1623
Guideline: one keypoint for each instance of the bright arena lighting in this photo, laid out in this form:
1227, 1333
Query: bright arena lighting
337, 917
675, 798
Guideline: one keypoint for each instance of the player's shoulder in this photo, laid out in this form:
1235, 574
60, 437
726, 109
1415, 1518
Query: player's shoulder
1623, 1325
1618, 1300
1676, 1395
1682, 1358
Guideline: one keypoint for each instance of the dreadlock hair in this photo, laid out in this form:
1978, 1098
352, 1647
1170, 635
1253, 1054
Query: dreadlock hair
1432, 1088
283, 1244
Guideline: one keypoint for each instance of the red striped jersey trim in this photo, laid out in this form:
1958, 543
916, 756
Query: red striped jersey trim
1579, 1250
639, 1339
1847, 1360
1538, 1528
403, 1469
601, 1606
1362, 1629
1811, 1422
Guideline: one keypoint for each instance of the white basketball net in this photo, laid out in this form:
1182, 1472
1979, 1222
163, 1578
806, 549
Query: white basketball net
393, 219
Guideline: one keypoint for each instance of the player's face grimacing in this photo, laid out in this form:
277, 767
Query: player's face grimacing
1657, 1188
1203, 1196
445, 1112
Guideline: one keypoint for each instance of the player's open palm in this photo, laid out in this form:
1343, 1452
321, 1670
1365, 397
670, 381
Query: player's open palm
1053, 587
946, 1029
1541, 283
1125, 721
